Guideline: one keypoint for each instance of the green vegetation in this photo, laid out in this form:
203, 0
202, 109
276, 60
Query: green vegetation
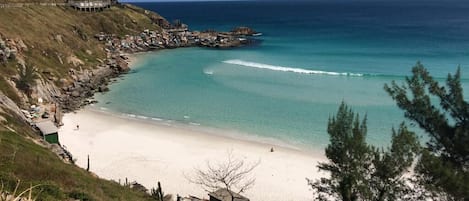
53, 34
362, 172
359, 171
443, 114
26, 80
31, 164
158, 194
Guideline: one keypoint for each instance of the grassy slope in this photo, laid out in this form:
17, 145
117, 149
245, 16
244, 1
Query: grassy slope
37, 27
22, 159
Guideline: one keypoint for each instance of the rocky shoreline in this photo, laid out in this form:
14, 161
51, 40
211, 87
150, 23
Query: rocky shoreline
89, 82
45, 94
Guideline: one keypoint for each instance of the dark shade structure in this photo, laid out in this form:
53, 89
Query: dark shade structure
49, 131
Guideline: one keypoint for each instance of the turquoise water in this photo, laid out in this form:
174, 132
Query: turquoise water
288, 86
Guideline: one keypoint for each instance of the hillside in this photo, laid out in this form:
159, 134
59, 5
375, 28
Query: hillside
31, 164
52, 46
52, 38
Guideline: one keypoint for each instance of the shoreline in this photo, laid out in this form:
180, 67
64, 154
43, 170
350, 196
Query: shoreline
136, 58
121, 147
139, 149
212, 131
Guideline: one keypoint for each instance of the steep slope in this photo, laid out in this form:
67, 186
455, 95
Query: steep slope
28, 163
55, 43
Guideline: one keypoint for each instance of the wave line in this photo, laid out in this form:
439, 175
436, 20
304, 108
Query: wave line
288, 69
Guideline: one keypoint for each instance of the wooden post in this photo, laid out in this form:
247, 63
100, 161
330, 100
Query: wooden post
88, 164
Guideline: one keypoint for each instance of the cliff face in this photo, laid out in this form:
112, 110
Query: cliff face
48, 53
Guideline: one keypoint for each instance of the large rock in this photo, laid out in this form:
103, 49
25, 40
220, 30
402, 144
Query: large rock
243, 31
46, 90
21, 46
75, 93
7, 103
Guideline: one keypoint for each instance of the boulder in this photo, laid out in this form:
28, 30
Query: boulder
58, 38
243, 31
21, 46
76, 93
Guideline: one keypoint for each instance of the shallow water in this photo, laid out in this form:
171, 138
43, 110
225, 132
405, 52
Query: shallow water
313, 55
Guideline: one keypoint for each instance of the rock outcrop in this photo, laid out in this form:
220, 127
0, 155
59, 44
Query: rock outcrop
8, 104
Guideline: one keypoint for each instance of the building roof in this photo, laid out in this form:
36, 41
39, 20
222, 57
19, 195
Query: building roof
222, 194
47, 127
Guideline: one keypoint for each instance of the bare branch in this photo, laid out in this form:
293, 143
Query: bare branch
233, 174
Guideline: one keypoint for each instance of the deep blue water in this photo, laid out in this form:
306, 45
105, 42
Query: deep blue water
313, 55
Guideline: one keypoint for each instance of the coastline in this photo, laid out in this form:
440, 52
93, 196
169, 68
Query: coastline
139, 149
121, 148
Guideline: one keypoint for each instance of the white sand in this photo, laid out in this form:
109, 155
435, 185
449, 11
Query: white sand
146, 152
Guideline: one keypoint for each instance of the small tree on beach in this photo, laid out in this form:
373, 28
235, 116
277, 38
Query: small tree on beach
234, 175
359, 171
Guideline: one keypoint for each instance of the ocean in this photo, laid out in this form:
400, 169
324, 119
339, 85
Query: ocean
312, 56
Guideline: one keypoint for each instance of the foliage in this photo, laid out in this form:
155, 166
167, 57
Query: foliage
138, 187
78, 195
26, 80
443, 114
58, 180
387, 177
158, 194
40, 28
26, 194
359, 171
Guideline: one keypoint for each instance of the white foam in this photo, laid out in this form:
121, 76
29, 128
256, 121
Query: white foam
156, 119
287, 69
208, 72
142, 117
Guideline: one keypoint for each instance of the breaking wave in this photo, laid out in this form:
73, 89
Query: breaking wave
289, 69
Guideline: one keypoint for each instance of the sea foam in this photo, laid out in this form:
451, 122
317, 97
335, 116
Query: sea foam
288, 69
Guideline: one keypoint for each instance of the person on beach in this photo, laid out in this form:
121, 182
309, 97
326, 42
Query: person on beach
78, 127
272, 149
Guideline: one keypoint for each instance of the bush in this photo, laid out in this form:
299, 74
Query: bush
27, 79
80, 196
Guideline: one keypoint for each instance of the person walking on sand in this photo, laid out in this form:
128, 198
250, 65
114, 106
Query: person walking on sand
78, 127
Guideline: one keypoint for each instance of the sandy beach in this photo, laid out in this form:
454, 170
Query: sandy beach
121, 147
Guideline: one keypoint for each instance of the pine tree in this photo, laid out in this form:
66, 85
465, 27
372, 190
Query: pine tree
359, 171
443, 114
